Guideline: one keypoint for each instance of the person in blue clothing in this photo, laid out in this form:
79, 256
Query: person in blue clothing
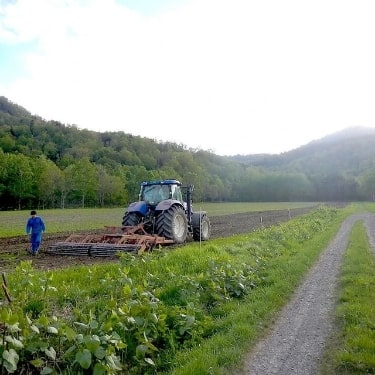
35, 228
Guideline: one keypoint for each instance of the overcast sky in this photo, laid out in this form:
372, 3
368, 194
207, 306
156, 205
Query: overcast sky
228, 76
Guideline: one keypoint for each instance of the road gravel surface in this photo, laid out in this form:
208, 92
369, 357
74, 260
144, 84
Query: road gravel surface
296, 342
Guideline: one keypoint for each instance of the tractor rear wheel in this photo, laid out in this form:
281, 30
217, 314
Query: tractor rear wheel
131, 219
202, 231
172, 224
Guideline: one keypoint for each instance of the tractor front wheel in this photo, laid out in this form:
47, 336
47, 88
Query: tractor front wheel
202, 229
172, 224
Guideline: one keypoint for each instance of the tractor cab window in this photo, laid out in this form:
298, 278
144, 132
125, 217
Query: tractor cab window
164, 192
176, 193
155, 193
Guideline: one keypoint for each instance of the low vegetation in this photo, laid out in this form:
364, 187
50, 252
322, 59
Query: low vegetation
193, 310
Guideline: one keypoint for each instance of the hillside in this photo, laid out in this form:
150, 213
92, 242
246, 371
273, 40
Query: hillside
50, 164
350, 151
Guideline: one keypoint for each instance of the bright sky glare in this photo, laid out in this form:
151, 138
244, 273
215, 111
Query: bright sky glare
228, 76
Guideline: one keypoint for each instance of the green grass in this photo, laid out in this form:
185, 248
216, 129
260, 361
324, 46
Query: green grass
217, 209
352, 349
12, 223
248, 321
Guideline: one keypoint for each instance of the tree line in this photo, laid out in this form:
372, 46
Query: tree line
49, 164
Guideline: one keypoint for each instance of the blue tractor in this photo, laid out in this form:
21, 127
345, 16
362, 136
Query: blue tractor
165, 209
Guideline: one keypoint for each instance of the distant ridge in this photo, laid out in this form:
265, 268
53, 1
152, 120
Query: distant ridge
347, 133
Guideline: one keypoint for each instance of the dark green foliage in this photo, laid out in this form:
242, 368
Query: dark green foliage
60, 165
33, 308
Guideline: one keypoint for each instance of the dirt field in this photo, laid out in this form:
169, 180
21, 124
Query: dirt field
14, 249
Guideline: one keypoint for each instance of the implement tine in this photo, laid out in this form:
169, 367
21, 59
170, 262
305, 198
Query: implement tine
130, 239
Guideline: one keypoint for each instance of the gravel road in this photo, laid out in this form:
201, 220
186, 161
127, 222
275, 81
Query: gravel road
296, 343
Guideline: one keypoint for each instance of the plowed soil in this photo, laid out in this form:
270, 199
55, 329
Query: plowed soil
15, 249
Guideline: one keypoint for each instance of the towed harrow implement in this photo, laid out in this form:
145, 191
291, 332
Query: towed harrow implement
130, 239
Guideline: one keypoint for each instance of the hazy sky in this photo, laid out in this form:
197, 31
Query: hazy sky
229, 76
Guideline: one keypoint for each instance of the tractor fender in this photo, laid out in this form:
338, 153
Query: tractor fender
140, 207
167, 204
197, 217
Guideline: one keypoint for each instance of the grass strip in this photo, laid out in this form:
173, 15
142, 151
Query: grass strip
246, 322
352, 349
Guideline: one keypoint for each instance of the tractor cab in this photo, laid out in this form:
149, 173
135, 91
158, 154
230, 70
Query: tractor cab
155, 192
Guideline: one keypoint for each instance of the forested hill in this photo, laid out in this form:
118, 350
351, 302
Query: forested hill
350, 151
50, 164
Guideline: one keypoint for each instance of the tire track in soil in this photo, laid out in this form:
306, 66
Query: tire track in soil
296, 342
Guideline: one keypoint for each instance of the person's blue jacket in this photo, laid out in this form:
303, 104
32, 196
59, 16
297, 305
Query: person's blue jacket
35, 225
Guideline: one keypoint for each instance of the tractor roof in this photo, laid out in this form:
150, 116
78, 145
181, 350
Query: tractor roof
161, 182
